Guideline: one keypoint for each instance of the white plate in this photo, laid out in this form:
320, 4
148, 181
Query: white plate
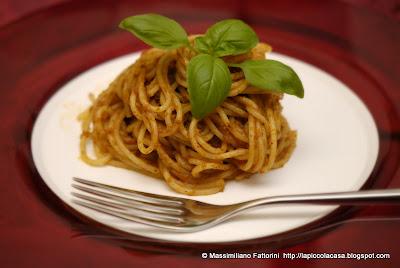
336, 151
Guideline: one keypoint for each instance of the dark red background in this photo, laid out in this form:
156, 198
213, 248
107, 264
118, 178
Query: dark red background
11, 10
37, 57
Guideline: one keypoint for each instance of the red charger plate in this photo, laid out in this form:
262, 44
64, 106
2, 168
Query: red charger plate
42, 51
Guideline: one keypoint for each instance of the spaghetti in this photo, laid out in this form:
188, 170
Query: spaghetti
143, 122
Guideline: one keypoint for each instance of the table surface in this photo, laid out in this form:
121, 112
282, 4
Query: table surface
11, 10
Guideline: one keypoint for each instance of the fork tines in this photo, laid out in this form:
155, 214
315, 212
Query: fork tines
150, 209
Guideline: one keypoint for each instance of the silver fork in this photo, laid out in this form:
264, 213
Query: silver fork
186, 215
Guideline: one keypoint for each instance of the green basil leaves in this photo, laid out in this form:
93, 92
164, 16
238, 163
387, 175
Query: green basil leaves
228, 37
209, 82
272, 75
208, 76
156, 30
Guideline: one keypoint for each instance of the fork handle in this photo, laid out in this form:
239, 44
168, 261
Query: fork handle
362, 197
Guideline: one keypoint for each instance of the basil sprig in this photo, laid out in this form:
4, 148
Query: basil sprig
156, 30
209, 83
227, 37
208, 76
272, 75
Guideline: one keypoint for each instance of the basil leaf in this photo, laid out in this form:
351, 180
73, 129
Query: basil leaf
272, 75
202, 45
156, 30
231, 37
209, 83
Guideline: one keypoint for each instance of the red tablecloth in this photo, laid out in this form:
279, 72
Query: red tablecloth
11, 10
